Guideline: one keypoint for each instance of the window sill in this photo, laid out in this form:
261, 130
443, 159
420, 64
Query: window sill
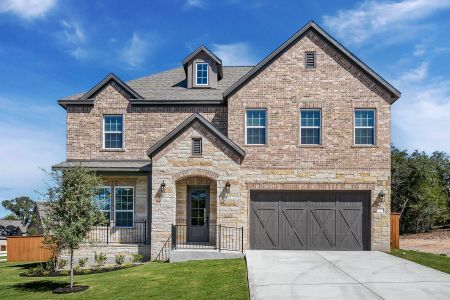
365, 146
196, 156
310, 146
255, 145
112, 150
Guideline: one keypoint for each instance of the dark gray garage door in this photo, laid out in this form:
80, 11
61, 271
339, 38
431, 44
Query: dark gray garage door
325, 220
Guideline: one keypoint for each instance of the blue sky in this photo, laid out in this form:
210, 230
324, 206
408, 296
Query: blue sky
53, 48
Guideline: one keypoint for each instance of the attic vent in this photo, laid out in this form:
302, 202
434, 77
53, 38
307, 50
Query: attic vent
310, 60
197, 146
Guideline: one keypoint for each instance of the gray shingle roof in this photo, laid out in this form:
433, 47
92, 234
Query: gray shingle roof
171, 85
106, 165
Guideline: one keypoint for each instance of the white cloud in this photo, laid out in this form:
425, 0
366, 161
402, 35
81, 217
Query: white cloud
421, 118
196, 3
237, 54
27, 9
416, 74
135, 51
376, 17
73, 39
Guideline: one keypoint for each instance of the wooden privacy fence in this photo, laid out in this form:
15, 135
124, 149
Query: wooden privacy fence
27, 249
395, 230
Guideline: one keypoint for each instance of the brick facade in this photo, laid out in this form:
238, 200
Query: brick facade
283, 88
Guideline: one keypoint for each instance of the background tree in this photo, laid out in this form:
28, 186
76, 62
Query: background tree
420, 189
21, 207
72, 213
10, 217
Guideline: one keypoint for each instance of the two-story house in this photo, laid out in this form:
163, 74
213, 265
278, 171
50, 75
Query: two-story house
293, 153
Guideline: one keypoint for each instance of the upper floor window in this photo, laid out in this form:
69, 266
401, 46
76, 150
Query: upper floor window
124, 206
255, 126
364, 127
310, 60
202, 73
113, 132
102, 201
310, 127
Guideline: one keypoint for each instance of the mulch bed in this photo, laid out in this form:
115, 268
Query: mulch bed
86, 271
68, 290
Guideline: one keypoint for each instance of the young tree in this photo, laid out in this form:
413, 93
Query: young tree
72, 213
21, 207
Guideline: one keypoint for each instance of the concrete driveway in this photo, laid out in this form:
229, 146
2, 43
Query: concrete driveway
341, 275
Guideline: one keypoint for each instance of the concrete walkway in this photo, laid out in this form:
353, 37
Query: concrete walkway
341, 275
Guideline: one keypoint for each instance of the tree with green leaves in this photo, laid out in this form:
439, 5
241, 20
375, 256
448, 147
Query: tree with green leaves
72, 213
22, 207
10, 217
420, 189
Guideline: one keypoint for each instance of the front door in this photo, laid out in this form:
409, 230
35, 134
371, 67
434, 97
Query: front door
198, 214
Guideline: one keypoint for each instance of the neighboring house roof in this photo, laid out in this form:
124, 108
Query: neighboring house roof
106, 165
12, 228
194, 117
210, 54
312, 25
42, 209
170, 87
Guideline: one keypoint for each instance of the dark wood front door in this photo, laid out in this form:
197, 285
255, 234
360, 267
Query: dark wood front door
198, 214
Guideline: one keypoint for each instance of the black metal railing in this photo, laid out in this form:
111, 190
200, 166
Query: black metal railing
164, 253
112, 234
209, 236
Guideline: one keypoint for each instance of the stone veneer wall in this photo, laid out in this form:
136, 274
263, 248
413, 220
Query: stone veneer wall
140, 193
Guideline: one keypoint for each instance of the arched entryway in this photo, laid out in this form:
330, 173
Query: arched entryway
196, 209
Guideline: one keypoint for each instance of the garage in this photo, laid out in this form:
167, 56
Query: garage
310, 220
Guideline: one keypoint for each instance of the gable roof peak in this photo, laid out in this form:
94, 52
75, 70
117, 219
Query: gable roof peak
311, 25
200, 49
111, 77
186, 123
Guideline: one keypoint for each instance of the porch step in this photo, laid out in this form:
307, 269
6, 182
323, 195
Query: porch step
180, 255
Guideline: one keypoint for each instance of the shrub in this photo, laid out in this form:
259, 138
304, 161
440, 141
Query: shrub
136, 257
100, 259
82, 262
62, 263
120, 259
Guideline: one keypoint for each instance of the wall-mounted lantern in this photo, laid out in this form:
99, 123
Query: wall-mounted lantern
227, 187
163, 187
381, 195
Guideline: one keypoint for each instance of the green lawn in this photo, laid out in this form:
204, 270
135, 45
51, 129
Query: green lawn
214, 279
435, 261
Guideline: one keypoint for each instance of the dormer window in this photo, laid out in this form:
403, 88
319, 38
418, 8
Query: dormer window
201, 74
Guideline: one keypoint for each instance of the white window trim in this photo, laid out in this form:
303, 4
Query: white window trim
207, 74
110, 201
320, 125
253, 126
121, 210
367, 127
105, 132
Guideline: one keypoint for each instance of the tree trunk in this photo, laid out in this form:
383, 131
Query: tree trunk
71, 268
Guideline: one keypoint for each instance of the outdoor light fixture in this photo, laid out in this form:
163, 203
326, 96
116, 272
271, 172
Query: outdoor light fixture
227, 187
163, 187
381, 195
